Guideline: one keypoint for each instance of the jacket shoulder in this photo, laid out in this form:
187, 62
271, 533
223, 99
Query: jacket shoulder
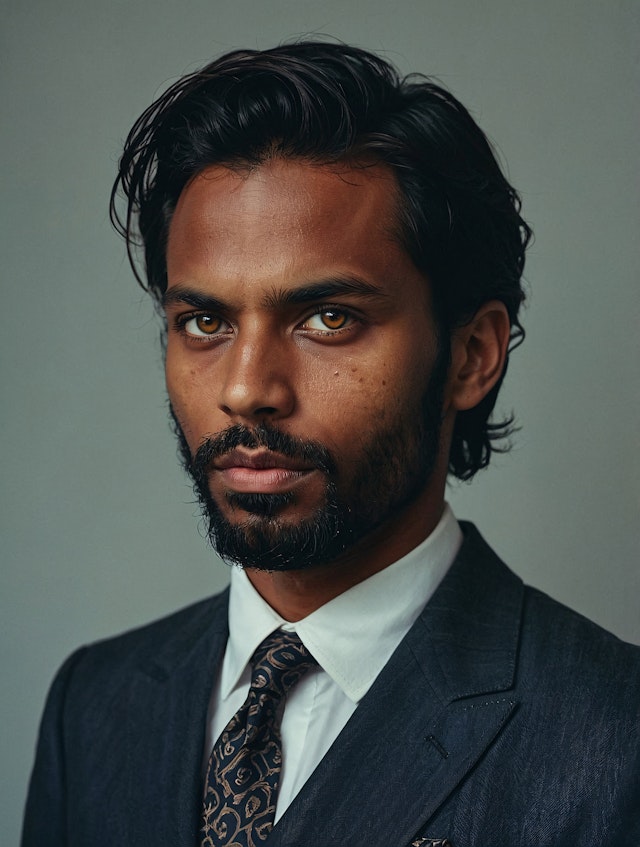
563, 769
155, 644
576, 653
92, 700
545, 632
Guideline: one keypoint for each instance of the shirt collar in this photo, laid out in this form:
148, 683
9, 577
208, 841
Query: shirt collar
352, 636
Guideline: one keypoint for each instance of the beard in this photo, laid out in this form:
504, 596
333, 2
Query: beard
391, 469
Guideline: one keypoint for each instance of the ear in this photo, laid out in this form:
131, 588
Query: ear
478, 353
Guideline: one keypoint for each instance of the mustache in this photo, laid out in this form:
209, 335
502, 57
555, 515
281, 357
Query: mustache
263, 435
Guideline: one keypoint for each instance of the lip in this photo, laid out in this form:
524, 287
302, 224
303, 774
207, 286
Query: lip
258, 461
260, 472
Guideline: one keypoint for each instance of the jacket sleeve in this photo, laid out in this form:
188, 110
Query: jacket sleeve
45, 812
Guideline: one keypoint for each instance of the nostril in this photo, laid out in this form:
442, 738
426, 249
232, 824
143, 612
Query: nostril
251, 393
260, 412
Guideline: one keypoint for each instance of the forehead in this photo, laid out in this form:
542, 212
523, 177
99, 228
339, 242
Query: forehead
287, 221
296, 187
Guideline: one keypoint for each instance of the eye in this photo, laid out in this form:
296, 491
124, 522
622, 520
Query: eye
328, 320
203, 325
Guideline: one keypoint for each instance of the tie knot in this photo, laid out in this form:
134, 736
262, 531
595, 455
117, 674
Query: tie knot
279, 662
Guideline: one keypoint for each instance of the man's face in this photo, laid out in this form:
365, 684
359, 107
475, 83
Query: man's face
302, 362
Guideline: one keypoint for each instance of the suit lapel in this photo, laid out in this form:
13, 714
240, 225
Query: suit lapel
169, 699
437, 706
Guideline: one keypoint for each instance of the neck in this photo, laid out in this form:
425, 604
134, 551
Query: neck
295, 594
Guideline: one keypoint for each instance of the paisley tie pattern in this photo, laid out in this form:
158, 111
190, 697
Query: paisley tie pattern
244, 768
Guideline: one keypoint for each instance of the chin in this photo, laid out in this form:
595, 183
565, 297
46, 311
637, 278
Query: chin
274, 534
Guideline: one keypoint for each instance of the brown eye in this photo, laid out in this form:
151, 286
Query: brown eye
203, 325
328, 319
208, 324
333, 319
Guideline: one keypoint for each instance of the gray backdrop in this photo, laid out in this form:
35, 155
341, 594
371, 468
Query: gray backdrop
99, 532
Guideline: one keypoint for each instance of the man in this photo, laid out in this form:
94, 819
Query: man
338, 258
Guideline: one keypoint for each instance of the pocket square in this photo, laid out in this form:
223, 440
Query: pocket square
431, 842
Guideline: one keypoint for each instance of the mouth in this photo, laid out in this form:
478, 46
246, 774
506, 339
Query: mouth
260, 471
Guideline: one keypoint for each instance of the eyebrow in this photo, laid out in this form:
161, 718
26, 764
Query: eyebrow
324, 290
312, 293
191, 297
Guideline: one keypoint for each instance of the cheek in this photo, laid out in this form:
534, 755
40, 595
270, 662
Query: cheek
189, 398
388, 381
333, 391
352, 400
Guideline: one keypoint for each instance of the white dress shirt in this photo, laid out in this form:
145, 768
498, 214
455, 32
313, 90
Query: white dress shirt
352, 637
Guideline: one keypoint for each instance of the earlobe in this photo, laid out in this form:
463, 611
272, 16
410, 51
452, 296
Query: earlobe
478, 353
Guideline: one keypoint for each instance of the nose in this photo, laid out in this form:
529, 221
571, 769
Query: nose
258, 379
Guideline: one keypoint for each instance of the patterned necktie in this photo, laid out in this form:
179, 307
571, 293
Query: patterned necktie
244, 768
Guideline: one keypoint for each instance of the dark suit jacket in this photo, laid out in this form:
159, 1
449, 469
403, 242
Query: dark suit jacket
502, 719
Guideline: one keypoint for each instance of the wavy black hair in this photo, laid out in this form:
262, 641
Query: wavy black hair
327, 102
